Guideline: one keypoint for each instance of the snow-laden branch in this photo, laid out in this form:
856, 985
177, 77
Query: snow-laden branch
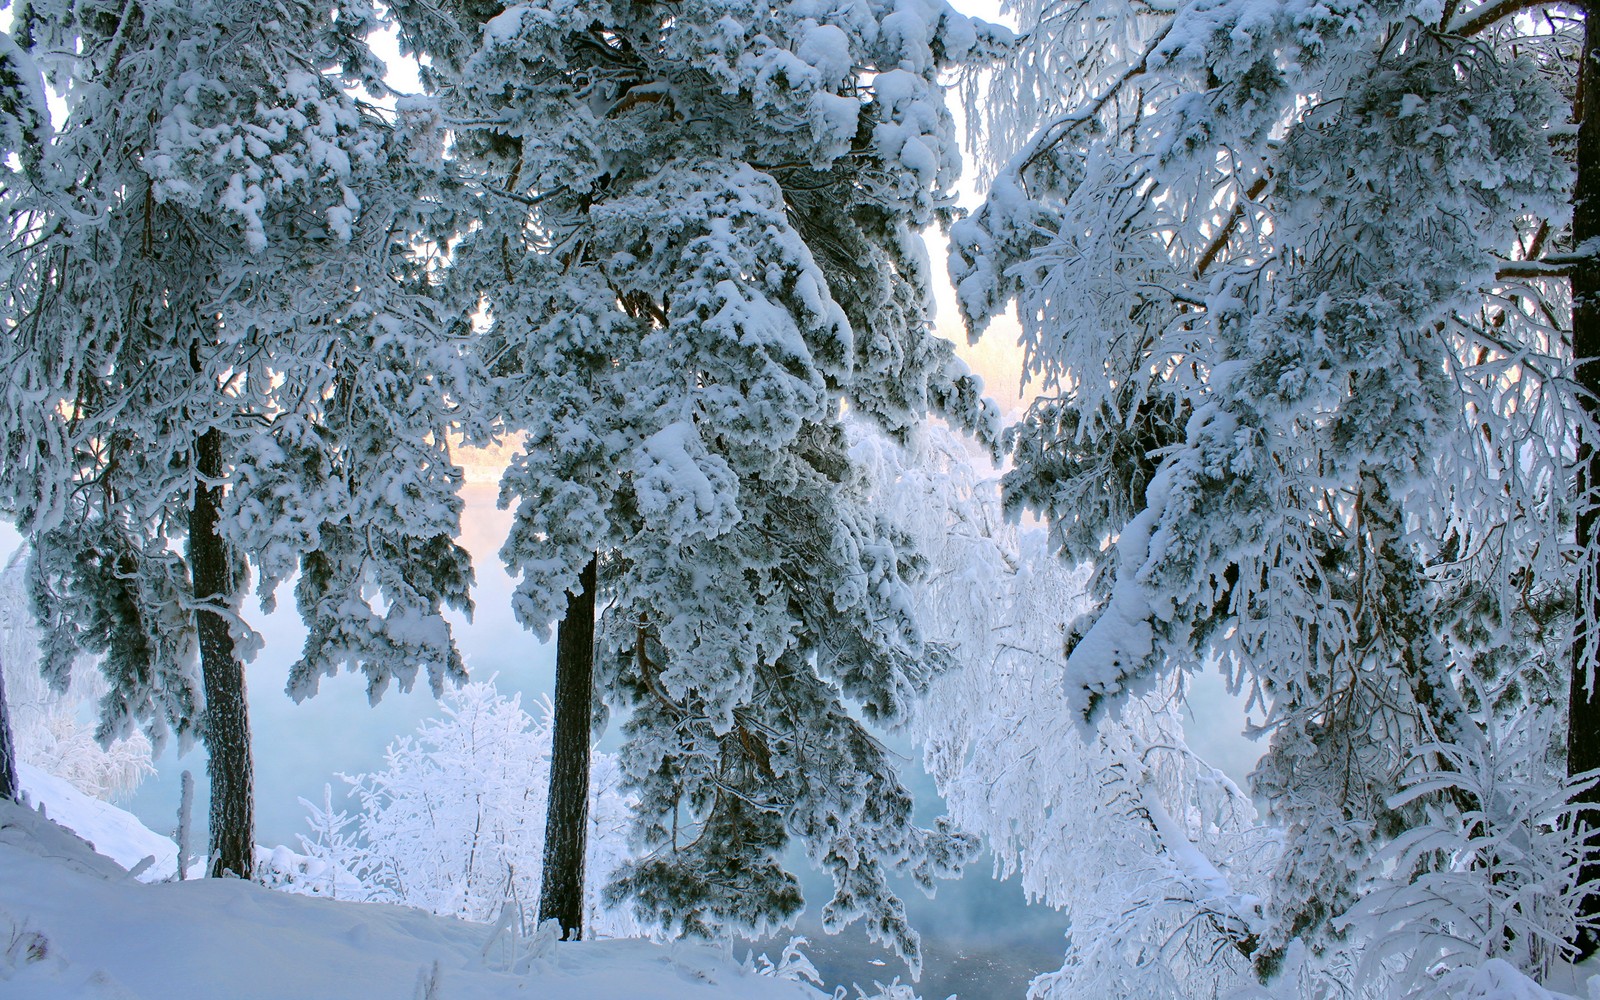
1236, 915
1479, 18
1555, 265
1063, 127
1226, 232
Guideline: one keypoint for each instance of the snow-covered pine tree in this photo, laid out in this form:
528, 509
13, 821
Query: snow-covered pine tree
1305, 404
694, 235
217, 335
24, 128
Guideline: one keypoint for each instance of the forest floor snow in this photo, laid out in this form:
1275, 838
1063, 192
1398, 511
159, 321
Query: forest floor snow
74, 925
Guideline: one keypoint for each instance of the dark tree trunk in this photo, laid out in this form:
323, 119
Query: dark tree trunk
566, 825
226, 728
1583, 711
9, 786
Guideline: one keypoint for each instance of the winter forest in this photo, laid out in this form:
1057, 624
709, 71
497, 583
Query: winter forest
1296, 306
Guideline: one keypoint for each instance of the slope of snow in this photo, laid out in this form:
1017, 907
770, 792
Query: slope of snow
109, 830
75, 926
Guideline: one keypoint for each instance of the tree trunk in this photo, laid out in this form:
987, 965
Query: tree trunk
566, 825
10, 788
226, 727
1583, 709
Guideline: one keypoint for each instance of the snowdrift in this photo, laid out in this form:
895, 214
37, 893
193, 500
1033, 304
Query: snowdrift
75, 925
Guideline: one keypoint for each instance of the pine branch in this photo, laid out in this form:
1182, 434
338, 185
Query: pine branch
1556, 265
1545, 268
1064, 127
1221, 239
1491, 13
1217, 899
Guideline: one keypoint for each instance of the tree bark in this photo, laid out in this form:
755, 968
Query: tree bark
566, 825
226, 727
10, 787
1583, 707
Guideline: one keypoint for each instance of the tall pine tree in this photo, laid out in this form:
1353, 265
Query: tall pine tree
221, 353
694, 234
1285, 276
24, 128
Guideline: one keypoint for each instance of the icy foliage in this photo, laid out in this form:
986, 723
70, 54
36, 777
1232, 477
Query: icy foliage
1305, 412
1505, 889
1159, 860
792, 964
692, 228
455, 821
1130, 834
46, 725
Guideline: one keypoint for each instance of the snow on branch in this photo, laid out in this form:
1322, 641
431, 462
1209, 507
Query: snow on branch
1479, 18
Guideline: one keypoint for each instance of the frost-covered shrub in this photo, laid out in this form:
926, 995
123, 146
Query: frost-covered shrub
454, 823
305, 875
793, 965
1493, 870
895, 990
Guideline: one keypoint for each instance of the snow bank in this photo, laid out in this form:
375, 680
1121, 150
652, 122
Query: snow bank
111, 831
74, 925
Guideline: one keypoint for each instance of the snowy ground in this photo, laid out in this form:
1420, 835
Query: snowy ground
74, 924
